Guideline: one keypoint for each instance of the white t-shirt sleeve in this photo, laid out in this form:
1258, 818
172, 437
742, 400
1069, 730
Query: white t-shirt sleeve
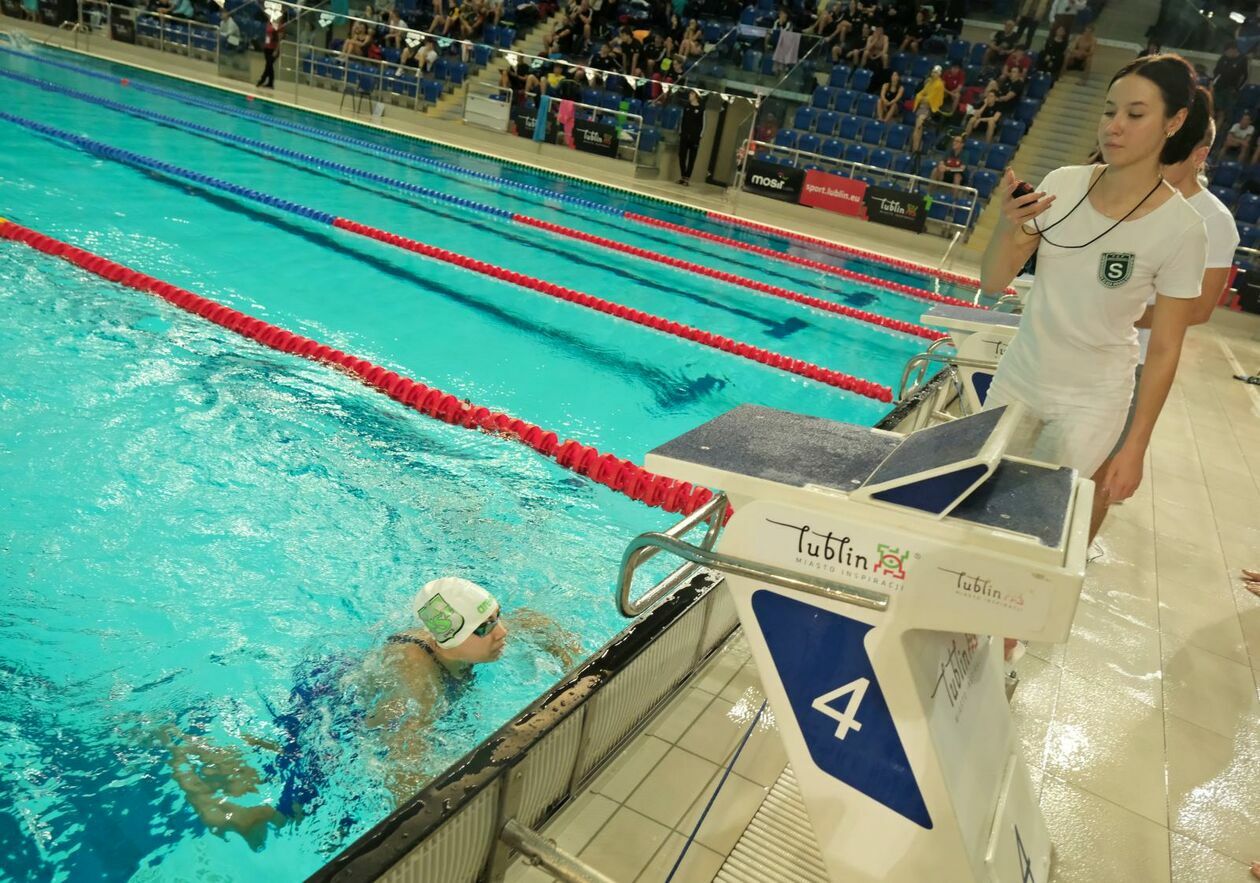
1181, 276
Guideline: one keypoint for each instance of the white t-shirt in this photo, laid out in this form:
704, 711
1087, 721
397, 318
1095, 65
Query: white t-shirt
1240, 133
1076, 344
1222, 240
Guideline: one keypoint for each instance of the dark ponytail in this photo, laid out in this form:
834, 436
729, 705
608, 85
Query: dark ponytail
1179, 85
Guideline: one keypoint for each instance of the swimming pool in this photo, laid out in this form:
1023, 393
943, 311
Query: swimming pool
202, 534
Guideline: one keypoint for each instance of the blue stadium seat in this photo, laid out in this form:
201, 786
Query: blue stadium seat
767, 64
712, 31
1227, 173
921, 66
1010, 131
941, 209
807, 143
590, 95
861, 80
984, 181
842, 100
902, 163
833, 148
977, 53
881, 158
865, 105
1039, 85
1027, 109
849, 127
898, 136
507, 36
958, 50
1248, 211
963, 202
432, 90
752, 60
839, 76
1248, 235
858, 153
973, 151
821, 98
999, 156
785, 138
671, 116
1227, 195
873, 133
490, 34
804, 118
900, 62
482, 52
826, 122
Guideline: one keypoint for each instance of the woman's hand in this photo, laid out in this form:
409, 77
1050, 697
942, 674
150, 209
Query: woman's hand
1019, 210
1123, 475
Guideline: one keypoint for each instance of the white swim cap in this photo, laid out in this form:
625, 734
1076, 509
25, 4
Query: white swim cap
936, 69
451, 608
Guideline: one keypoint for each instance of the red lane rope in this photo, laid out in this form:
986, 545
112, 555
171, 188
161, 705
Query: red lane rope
648, 320
898, 287
754, 285
910, 266
621, 475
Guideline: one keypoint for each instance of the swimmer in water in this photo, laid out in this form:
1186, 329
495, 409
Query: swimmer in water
415, 678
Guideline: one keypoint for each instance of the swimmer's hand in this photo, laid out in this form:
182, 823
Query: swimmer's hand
1017, 211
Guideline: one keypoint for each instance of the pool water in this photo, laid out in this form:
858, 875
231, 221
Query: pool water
202, 539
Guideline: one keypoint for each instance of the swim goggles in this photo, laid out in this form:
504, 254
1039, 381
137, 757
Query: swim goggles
488, 626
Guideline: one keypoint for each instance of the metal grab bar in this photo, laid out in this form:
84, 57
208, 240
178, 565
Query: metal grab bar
712, 512
541, 852
647, 545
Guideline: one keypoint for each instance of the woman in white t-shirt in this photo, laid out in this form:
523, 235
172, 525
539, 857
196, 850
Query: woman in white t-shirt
1107, 238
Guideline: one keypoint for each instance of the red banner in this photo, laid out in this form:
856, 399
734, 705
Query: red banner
834, 193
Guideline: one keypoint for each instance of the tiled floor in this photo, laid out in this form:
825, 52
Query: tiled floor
1142, 731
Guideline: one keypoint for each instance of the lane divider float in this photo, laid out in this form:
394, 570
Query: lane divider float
748, 351
786, 257
452, 168
616, 473
603, 242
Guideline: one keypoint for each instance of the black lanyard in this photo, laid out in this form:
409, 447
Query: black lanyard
1042, 233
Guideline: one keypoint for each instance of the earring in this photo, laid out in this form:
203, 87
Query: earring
1169, 134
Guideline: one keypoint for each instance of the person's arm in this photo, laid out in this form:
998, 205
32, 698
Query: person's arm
556, 640
1010, 245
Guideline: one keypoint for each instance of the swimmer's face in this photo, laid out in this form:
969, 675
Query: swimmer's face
487, 647
1133, 126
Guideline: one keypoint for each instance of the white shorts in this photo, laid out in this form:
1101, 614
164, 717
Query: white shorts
1069, 435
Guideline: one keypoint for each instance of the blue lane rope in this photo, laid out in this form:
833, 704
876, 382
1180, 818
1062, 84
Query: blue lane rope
712, 797
260, 145
186, 99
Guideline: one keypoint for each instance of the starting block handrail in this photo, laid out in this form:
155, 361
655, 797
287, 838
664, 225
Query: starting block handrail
648, 545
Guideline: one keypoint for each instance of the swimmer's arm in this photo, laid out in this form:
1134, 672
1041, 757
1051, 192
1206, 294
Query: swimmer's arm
556, 640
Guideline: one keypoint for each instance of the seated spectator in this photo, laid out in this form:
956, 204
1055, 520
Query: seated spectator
874, 55
692, 42
471, 21
1000, 46
229, 32
1081, 55
1053, 53
560, 40
851, 20
919, 33
583, 17
985, 114
555, 79
1010, 89
853, 41
358, 43
421, 56
927, 103
178, 8
954, 78
519, 79
952, 169
1017, 58
891, 94
783, 22
1238, 137
395, 30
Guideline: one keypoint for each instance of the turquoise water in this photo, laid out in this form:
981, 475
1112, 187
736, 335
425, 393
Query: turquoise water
201, 536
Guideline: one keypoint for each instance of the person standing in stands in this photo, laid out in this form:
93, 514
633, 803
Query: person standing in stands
271, 49
1031, 14
1228, 78
1053, 53
927, 102
1108, 239
690, 132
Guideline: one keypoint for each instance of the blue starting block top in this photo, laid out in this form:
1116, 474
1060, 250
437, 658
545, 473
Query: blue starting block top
971, 314
914, 472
